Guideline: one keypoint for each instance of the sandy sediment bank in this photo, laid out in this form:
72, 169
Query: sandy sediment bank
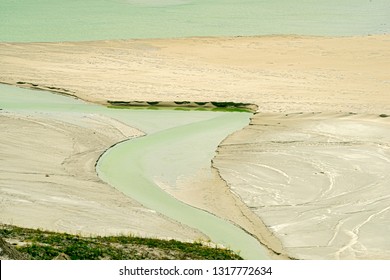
210, 192
48, 178
278, 73
319, 181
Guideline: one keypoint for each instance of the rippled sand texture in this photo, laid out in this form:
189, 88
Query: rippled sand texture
319, 181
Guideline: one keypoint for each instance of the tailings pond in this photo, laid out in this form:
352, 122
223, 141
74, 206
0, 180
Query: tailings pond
177, 143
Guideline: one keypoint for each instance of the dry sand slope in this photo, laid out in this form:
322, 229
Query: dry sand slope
277, 73
48, 179
317, 180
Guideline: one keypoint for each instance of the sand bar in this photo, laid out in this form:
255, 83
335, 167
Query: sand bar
279, 73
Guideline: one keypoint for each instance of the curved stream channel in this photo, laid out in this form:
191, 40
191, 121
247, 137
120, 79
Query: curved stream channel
178, 143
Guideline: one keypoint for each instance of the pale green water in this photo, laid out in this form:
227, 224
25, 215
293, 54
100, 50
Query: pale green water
75, 20
179, 143
149, 121
167, 155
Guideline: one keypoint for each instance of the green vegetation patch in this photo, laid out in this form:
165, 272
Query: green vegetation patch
119, 103
181, 105
182, 102
153, 103
240, 110
46, 245
201, 103
229, 104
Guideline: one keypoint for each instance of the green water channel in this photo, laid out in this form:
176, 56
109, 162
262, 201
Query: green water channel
75, 20
178, 143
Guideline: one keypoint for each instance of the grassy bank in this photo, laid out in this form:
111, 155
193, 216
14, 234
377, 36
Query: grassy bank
46, 245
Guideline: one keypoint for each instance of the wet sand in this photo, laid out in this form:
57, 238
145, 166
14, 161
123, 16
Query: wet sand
282, 75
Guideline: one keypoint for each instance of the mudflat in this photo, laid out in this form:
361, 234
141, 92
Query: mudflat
315, 178
319, 181
48, 179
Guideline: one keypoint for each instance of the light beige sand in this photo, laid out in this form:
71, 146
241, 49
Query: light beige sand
48, 179
279, 74
319, 181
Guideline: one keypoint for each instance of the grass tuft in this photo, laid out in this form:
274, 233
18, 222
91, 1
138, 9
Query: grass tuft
45, 245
